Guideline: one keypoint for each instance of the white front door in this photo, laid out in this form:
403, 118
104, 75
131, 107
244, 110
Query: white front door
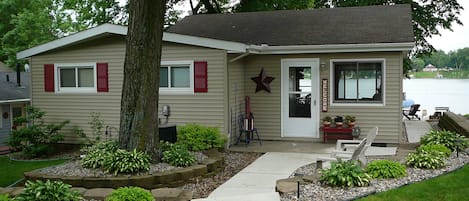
300, 86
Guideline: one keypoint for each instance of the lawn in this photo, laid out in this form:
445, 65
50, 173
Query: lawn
449, 187
12, 171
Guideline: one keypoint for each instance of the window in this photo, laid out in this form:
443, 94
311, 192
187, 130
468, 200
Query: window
76, 77
358, 81
177, 77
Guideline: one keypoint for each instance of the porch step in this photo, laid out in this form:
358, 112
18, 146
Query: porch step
5, 150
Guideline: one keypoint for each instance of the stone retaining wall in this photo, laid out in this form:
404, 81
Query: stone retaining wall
173, 178
456, 123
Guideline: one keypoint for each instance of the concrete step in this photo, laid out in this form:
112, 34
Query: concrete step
247, 197
4, 150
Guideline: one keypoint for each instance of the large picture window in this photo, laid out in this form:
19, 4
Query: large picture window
358, 81
176, 77
76, 77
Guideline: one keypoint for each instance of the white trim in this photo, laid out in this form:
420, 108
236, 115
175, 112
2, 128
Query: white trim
74, 38
332, 83
16, 100
75, 89
204, 42
299, 49
315, 112
179, 91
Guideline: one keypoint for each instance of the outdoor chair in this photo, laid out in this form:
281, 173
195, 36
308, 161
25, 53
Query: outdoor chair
247, 130
347, 146
412, 112
356, 155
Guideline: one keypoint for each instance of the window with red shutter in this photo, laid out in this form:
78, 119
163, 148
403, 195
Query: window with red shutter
49, 78
200, 76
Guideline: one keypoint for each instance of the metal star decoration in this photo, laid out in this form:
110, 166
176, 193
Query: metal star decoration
263, 81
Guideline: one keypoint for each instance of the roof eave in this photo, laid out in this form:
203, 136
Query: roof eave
205, 42
16, 100
335, 48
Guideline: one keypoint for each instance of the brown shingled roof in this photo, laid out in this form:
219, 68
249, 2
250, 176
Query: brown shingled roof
351, 25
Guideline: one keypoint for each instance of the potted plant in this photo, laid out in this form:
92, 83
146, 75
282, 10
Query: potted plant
339, 121
326, 121
350, 120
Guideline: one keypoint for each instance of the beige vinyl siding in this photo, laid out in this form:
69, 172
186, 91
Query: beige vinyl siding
236, 87
266, 106
202, 108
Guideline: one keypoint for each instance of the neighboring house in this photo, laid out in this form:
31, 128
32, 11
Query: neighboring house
430, 68
4, 68
208, 62
14, 96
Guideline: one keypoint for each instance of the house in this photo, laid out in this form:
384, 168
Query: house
430, 68
14, 97
316, 63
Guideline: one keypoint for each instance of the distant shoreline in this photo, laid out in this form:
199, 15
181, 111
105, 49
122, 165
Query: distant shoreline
440, 75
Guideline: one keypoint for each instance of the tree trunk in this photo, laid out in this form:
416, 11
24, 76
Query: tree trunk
139, 104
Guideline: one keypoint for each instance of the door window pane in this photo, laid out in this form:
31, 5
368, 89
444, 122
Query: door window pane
180, 77
300, 92
67, 77
164, 77
85, 77
299, 105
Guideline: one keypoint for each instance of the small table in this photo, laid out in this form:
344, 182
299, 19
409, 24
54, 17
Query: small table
337, 133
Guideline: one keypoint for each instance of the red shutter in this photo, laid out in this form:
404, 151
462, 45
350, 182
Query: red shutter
49, 78
200, 76
102, 77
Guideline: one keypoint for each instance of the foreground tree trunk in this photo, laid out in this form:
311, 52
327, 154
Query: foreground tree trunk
139, 104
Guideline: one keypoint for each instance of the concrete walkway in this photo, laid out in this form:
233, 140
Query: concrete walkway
416, 129
257, 181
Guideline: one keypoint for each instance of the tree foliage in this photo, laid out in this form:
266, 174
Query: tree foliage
269, 5
458, 59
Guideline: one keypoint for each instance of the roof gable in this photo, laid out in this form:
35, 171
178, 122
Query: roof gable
350, 25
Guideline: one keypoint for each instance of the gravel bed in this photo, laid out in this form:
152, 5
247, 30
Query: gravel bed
317, 191
73, 168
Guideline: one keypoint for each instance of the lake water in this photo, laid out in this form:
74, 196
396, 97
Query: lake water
431, 93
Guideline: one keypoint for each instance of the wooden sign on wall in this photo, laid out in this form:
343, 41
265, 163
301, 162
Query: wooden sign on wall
325, 95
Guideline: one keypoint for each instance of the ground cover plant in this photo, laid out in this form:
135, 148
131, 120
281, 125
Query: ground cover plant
177, 155
13, 170
436, 149
48, 191
130, 194
447, 138
345, 174
450, 187
4, 197
425, 160
384, 169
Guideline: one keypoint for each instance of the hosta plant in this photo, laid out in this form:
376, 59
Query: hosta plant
48, 191
384, 169
425, 160
436, 149
130, 194
447, 138
178, 155
345, 174
4, 197
96, 155
123, 161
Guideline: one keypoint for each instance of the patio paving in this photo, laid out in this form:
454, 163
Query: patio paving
416, 129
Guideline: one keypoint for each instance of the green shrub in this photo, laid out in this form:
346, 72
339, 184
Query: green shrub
198, 138
436, 149
345, 174
34, 140
178, 155
123, 161
48, 191
130, 194
425, 160
97, 154
4, 197
385, 169
447, 138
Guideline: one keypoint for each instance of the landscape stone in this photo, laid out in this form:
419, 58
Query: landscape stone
287, 185
97, 193
16, 191
6, 190
171, 194
79, 190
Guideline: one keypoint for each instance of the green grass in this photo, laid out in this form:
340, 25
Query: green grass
450, 187
12, 171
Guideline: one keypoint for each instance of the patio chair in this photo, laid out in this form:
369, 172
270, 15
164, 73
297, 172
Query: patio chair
246, 127
356, 155
412, 112
347, 146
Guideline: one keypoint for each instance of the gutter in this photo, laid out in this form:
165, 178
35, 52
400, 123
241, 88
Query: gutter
16, 100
